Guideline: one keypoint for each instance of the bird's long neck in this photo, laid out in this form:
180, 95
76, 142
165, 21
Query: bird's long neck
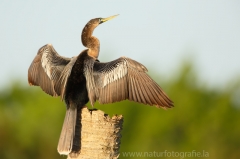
89, 41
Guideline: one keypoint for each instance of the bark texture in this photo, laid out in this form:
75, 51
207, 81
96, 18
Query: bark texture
100, 135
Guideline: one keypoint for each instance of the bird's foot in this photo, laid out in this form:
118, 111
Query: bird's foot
74, 154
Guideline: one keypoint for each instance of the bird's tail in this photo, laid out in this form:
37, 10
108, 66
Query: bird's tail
65, 143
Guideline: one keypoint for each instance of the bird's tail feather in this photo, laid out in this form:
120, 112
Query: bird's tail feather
65, 142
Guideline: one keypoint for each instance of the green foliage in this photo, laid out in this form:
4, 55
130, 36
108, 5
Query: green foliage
202, 119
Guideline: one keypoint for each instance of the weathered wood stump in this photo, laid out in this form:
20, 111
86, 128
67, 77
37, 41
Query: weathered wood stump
100, 135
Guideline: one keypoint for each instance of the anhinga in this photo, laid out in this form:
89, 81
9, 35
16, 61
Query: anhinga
83, 78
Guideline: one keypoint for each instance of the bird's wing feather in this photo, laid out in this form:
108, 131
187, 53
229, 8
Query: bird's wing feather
61, 83
46, 69
125, 78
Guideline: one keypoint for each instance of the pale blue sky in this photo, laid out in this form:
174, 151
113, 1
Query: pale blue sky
159, 34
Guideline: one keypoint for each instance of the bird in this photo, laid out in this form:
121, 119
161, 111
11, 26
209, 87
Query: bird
83, 78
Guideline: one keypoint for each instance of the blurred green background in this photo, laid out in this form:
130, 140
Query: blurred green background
203, 119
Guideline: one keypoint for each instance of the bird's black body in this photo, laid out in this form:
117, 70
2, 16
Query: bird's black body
76, 89
83, 78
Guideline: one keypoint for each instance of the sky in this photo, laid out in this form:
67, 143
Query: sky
159, 34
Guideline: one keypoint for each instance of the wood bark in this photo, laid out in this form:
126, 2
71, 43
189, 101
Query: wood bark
99, 136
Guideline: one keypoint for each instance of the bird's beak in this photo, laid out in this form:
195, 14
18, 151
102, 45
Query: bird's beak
109, 18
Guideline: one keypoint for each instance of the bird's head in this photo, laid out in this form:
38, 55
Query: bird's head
102, 20
93, 23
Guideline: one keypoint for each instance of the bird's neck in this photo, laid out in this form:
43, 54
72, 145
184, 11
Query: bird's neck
94, 51
91, 42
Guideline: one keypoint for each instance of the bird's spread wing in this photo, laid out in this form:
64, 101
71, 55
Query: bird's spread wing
46, 69
125, 78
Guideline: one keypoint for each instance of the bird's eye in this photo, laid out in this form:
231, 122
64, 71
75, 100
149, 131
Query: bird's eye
100, 20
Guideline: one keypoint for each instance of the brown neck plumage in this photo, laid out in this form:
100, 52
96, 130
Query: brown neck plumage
89, 41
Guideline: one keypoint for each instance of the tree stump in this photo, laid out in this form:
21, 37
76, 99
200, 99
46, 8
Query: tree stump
100, 135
